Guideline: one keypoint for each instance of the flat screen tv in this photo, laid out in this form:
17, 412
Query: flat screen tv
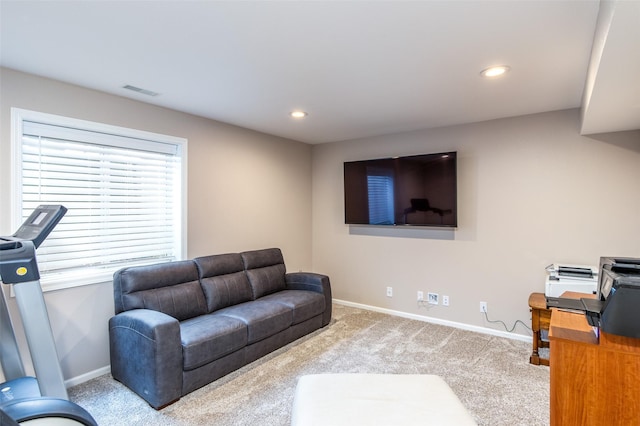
418, 190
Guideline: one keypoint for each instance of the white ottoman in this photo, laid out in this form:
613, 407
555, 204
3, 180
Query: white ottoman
376, 399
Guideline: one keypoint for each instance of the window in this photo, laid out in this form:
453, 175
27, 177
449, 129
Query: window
124, 189
380, 190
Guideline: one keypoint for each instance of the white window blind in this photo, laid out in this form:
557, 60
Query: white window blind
380, 193
123, 194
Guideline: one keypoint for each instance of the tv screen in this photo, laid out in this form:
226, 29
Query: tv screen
419, 190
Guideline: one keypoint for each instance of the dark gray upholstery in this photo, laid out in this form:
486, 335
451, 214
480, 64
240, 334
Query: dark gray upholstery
261, 258
210, 337
181, 325
224, 281
146, 354
317, 283
265, 270
303, 304
172, 288
261, 317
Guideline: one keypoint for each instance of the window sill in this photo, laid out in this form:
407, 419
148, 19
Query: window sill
55, 282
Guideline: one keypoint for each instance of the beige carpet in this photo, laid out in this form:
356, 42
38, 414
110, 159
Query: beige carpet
490, 375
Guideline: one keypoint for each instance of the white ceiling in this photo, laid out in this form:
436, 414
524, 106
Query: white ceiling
359, 68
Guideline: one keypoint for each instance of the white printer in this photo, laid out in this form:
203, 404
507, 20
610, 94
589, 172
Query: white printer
576, 278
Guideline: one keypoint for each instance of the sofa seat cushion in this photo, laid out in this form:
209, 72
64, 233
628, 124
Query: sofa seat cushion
210, 337
305, 304
262, 318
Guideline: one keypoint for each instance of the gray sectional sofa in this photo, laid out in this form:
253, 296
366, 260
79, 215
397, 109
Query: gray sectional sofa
181, 325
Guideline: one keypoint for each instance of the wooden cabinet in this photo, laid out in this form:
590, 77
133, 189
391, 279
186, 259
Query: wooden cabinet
594, 380
540, 318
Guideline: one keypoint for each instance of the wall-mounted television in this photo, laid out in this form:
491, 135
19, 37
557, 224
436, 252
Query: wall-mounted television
418, 190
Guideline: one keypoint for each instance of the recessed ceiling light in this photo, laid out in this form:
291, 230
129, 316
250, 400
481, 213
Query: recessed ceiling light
495, 71
298, 114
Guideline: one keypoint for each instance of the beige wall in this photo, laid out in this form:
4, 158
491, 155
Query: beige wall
532, 191
246, 190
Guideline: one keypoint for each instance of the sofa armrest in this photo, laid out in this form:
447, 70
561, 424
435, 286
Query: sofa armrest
312, 282
146, 354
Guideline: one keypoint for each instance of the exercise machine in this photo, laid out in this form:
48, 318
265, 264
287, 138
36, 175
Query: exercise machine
41, 399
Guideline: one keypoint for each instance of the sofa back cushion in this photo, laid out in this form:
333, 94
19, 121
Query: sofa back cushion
223, 280
171, 288
265, 271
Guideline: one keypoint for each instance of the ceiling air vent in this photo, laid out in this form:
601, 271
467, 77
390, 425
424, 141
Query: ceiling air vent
139, 90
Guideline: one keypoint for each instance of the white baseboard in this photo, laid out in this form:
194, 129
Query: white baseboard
87, 376
438, 321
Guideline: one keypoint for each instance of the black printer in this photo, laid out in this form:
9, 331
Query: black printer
616, 310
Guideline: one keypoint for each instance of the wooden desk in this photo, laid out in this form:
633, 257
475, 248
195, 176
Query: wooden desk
540, 318
595, 380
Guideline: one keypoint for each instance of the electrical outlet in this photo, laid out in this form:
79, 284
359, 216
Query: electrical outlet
420, 296
389, 291
483, 306
445, 300
433, 298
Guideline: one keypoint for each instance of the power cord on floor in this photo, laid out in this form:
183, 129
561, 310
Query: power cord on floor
509, 330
